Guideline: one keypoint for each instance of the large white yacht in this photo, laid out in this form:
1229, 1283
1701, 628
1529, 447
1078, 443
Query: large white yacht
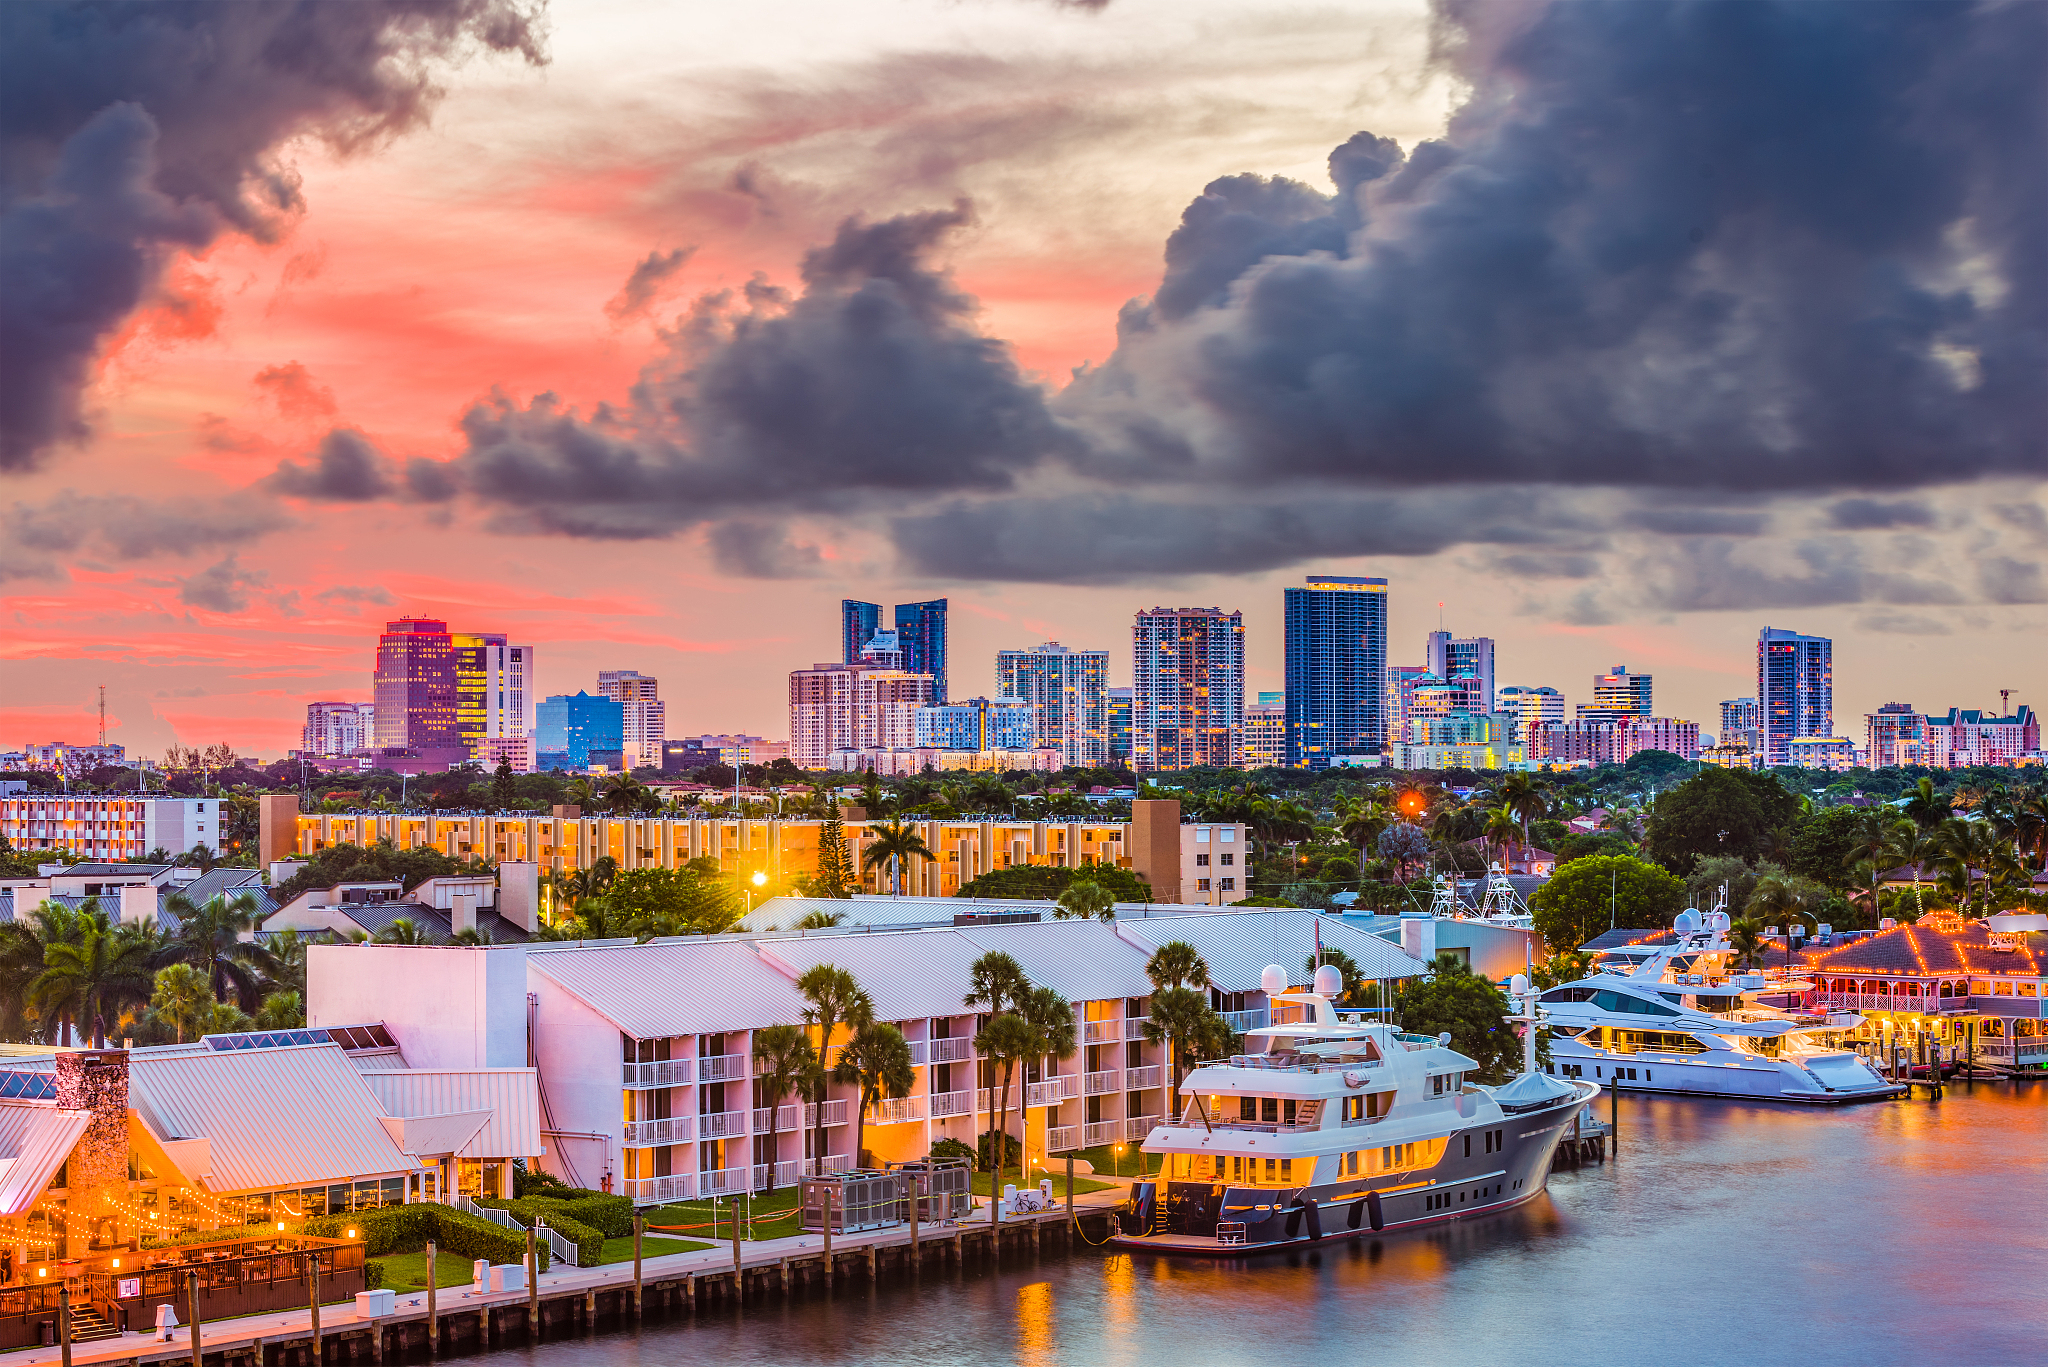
1339, 1127
1671, 1018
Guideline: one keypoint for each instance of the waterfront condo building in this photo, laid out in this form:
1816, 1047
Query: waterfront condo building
1265, 732
1068, 691
1336, 670
1529, 707
1453, 658
568, 728
1957, 739
1739, 723
640, 697
1618, 696
1795, 690
335, 729
1187, 704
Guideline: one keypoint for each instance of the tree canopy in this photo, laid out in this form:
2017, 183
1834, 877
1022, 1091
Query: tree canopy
1471, 1009
1584, 897
1717, 811
1046, 882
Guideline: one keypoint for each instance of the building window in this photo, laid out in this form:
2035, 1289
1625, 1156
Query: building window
1230, 885
1226, 836
1228, 859
1201, 885
1201, 861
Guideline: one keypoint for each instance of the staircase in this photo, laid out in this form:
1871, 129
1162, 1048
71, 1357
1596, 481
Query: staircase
87, 1326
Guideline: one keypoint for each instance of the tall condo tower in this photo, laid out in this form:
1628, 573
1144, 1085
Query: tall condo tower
1187, 702
644, 718
1795, 690
1069, 695
921, 628
1454, 659
1337, 670
858, 623
416, 685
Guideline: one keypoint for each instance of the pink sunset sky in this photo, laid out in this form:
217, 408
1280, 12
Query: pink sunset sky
486, 251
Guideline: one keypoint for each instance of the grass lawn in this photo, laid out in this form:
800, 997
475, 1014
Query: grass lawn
1059, 1183
408, 1271
621, 1250
772, 1216
1107, 1161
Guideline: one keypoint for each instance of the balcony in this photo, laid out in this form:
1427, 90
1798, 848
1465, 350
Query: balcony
1102, 1083
944, 1104
1141, 1079
1053, 1090
1063, 1139
1138, 1126
723, 1124
786, 1174
782, 1120
1134, 1026
1885, 1001
1242, 1021
952, 1050
674, 1130
724, 1181
1100, 1132
896, 1110
722, 1068
666, 1073
918, 1050
835, 1114
1102, 1032
648, 1191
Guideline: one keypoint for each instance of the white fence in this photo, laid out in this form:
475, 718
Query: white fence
1139, 1079
944, 1104
1138, 1126
952, 1050
679, 1129
1102, 1083
1053, 1090
723, 1124
666, 1073
896, 1110
722, 1068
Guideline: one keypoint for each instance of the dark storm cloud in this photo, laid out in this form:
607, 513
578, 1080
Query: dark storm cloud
647, 280
1872, 514
347, 468
36, 538
221, 587
131, 130
871, 385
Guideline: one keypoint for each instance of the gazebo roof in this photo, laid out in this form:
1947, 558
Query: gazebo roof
1940, 944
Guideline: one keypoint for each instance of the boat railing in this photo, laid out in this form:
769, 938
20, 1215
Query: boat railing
1303, 1063
1230, 1231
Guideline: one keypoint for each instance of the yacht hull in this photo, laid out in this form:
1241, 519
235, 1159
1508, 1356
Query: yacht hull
1713, 1074
1457, 1188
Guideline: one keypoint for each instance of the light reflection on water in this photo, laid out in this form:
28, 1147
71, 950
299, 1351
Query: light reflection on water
1900, 1232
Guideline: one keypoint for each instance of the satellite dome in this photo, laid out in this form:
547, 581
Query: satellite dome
1518, 985
1329, 981
1718, 922
1688, 921
1273, 980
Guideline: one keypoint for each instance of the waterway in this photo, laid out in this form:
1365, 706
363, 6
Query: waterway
1892, 1233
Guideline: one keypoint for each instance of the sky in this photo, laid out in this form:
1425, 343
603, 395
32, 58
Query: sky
645, 332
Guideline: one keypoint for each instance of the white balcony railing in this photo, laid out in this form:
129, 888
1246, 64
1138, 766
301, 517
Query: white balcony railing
724, 1181
1102, 1083
673, 1072
896, 1110
1097, 1133
1879, 1001
1141, 1079
918, 1051
647, 1191
951, 1103
1138, 1126
1102, 1032
722, 1068
723, 1124
1242, 1021
1053, 1090
679, 1129
1134, 1026
1063, 1138
835, 1114
952, 1050
786, 1174
781, 1121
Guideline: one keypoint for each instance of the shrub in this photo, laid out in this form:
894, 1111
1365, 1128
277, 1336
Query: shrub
610, 1215
373, 1273
986, 1157
954, 1148
561, 1217
407, 1229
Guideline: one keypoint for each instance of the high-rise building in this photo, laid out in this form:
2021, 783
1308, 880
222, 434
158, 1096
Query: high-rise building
646, 726
1529, 707
1956, 739
978, 724
334, 729
1187, 707
852, 707
1896, 734
1336, 665
1402, 681
493, 698
1681, 738
1618, 696
921, 628
858, 623
1265, 731
1739, 723
415, 686
884, 650
567, 728
1069, 694
1795, 690
1451, 658
1117, 710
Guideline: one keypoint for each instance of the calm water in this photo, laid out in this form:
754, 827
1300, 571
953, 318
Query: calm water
1888, 1233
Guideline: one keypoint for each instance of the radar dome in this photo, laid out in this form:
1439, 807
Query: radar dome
1718, 922
1273, 980
1688, 921
1518, 985
1329, 981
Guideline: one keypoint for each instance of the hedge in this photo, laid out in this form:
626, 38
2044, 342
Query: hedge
407, 1229
586, 1222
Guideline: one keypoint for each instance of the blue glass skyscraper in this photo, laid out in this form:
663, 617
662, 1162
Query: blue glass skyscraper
568, 727
858, 623
1336, 670
921, 630
1795, 690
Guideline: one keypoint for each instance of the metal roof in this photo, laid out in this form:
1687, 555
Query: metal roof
511, 1095
350, 1037
431, 1136
690, 987
1084, 960
34, 1142
1237, 945
780, 914
272, 1117
911, 974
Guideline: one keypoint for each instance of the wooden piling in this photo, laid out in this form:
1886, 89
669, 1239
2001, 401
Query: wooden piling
639, 1225
533, 1283
64, 1324
829, 1269
192, 1295
433, 1304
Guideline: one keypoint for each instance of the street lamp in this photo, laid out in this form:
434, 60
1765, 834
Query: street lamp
759, 880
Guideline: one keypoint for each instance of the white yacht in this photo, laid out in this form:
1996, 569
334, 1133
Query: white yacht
1340, 1127
1671, 1018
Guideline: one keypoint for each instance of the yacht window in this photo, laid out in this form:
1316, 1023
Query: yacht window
1351, 1164
1287, 1112
1354, 1108
1269, 1110
1287, 1170
1237, 1169
1248, 1108
1569, 994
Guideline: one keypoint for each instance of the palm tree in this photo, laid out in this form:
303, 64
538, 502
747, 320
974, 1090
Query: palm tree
469, 937
211, 940
404, 931
1085, 898
784, 1063
1502, 826
876, 1061
996, 982
1521, 794
820, 920
93, 977
182, 999
1051, 1018
288, 948
1360, 821
1006, 1040
624, 794
1926, 807
24, 951
1177, 964
835, 998
987, 793
1184, 1022
893, 843
1746, 938
281, 1011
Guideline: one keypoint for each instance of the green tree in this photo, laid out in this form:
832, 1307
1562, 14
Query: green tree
1358, 993
785, 1064
210, 938
1045, 882
1587, 896
1562, 966
281, 1011
836, 999
183, 1000
820, 920
876, 1062
93, 977
893, 843
1051, 1018
1703, 884
1176, 963
1825, 845
1746, 939
1522, 795
1006, 1041
404, 930
687, 901
1085, 899
1472, 1009
1927, 808
1189, 1027
504, 787
1715, 812
835, 877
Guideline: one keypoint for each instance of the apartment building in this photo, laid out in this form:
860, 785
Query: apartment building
1068, 694
1265, 731
1188, 700
118, 827
643, 714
